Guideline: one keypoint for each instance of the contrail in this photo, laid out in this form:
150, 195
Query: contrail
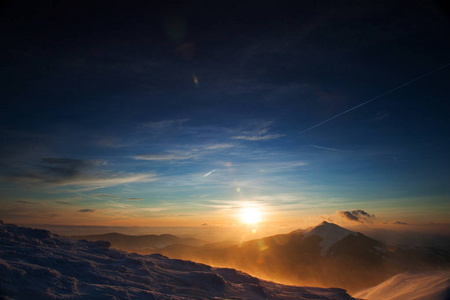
209, 173
375, 98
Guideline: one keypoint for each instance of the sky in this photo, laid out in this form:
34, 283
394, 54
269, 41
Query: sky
183, 113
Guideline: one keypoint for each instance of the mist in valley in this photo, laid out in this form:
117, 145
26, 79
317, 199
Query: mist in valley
325, 255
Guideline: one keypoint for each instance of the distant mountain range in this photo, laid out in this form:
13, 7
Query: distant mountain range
141, 243
35, 264
324, 255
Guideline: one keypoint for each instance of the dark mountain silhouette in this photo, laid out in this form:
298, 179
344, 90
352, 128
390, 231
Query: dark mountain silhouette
140, 243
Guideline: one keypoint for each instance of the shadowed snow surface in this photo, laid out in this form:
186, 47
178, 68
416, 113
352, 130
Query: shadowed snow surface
35, 264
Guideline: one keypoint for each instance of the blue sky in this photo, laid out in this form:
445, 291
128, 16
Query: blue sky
146, 114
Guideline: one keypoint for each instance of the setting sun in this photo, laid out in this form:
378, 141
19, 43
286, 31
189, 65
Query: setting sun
250, 215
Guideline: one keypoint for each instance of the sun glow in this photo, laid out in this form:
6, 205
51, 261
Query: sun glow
250, 215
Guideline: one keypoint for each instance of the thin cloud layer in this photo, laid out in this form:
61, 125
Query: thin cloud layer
83, 175
259, 132
162, 157
86, 210
400, 223
101, 195
158, 125
257, 137
219, 146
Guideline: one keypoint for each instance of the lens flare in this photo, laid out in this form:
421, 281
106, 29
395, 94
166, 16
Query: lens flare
195, 80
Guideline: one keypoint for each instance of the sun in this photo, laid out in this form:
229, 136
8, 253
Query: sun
250, 215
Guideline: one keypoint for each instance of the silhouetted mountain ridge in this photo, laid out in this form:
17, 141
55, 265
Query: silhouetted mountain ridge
140, 242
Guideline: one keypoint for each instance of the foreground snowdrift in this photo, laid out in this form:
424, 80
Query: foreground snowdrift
411, 286
35, 264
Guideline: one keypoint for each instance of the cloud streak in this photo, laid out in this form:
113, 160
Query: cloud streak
161, 157
324, 148
257, 137
258, 133
68, 172
86, 210
219, 146
164, 124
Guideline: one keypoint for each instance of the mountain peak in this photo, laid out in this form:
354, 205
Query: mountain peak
326, 223
329, 225
329, 232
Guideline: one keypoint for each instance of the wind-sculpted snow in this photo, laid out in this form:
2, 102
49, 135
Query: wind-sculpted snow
411, 286
35, 264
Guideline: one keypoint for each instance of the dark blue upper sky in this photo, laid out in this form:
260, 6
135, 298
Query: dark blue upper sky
117, 112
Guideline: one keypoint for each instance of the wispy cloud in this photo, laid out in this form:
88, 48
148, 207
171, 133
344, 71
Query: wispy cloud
162, 157
82, 175
324, 148
380, 116
134, 199
164, 124
105, 196
153, 209
24, 202
400, 223
63, 202
257, 137
86, 210
111, 142
185, 153
90, 183
219, 146
259, 132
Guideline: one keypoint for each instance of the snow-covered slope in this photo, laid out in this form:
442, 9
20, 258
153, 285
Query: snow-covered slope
329, 233
411, 286
35, 264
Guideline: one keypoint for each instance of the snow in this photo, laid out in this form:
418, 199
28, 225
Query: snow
411, 286
36, 264
329, 232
